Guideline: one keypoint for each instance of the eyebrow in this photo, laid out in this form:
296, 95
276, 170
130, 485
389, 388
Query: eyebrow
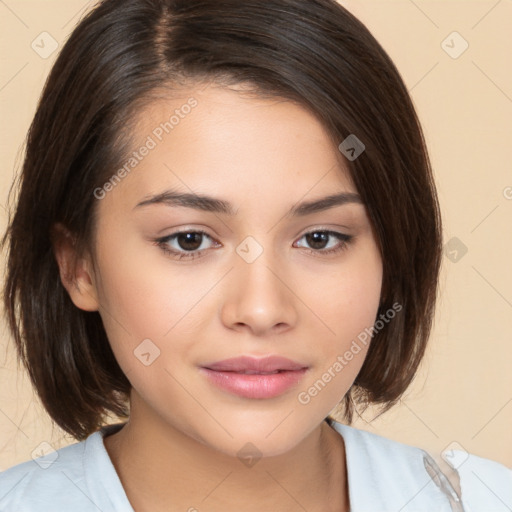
214, 205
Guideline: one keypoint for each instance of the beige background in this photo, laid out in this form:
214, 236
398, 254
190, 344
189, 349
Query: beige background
463, 393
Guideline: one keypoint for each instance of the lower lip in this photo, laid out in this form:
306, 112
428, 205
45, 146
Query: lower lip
256, 385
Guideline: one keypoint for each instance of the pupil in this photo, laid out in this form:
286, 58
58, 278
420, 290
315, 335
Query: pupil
315, 238
189, 241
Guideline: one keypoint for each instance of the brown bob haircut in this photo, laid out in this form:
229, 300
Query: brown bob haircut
120, 55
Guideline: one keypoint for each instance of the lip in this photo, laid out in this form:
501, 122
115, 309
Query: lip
266, 377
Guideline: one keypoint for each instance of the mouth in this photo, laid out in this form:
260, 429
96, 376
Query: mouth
253, 378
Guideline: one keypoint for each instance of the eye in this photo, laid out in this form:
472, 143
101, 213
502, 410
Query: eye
320, 241
190, 244
184, 244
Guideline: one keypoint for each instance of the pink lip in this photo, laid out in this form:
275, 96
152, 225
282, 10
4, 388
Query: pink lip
230, 375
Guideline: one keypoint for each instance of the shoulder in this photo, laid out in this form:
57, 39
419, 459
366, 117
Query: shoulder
55, 478
408, 477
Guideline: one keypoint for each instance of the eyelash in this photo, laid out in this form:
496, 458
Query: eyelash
191, 255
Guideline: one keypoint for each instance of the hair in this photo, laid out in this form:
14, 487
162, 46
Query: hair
118, 58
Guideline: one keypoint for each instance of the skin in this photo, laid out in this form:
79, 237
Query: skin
179, 448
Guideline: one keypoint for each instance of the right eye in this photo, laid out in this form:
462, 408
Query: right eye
183, 244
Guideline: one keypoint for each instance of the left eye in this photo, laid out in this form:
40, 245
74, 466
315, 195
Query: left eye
315, 238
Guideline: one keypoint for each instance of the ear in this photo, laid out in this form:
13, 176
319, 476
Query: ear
75, 270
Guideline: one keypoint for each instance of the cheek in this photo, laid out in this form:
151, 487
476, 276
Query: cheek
349, 299
137, 301
145, 296
141, 289
348, 307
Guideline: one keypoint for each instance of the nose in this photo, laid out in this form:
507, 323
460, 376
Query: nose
259, 299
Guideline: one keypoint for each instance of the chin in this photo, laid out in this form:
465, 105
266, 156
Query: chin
253, 448
268, 437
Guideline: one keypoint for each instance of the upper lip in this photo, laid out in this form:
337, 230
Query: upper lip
252, 364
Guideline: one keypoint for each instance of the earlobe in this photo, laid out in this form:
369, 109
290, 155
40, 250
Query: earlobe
75, 270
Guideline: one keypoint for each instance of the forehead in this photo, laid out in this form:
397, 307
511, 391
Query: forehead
223, 141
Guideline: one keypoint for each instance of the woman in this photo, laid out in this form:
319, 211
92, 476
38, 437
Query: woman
238, 231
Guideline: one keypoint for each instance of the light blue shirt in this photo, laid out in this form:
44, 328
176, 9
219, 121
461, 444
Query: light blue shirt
383, 476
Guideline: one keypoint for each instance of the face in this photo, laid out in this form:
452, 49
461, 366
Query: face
183, 285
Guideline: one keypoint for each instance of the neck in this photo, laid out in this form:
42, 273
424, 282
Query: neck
161, 468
